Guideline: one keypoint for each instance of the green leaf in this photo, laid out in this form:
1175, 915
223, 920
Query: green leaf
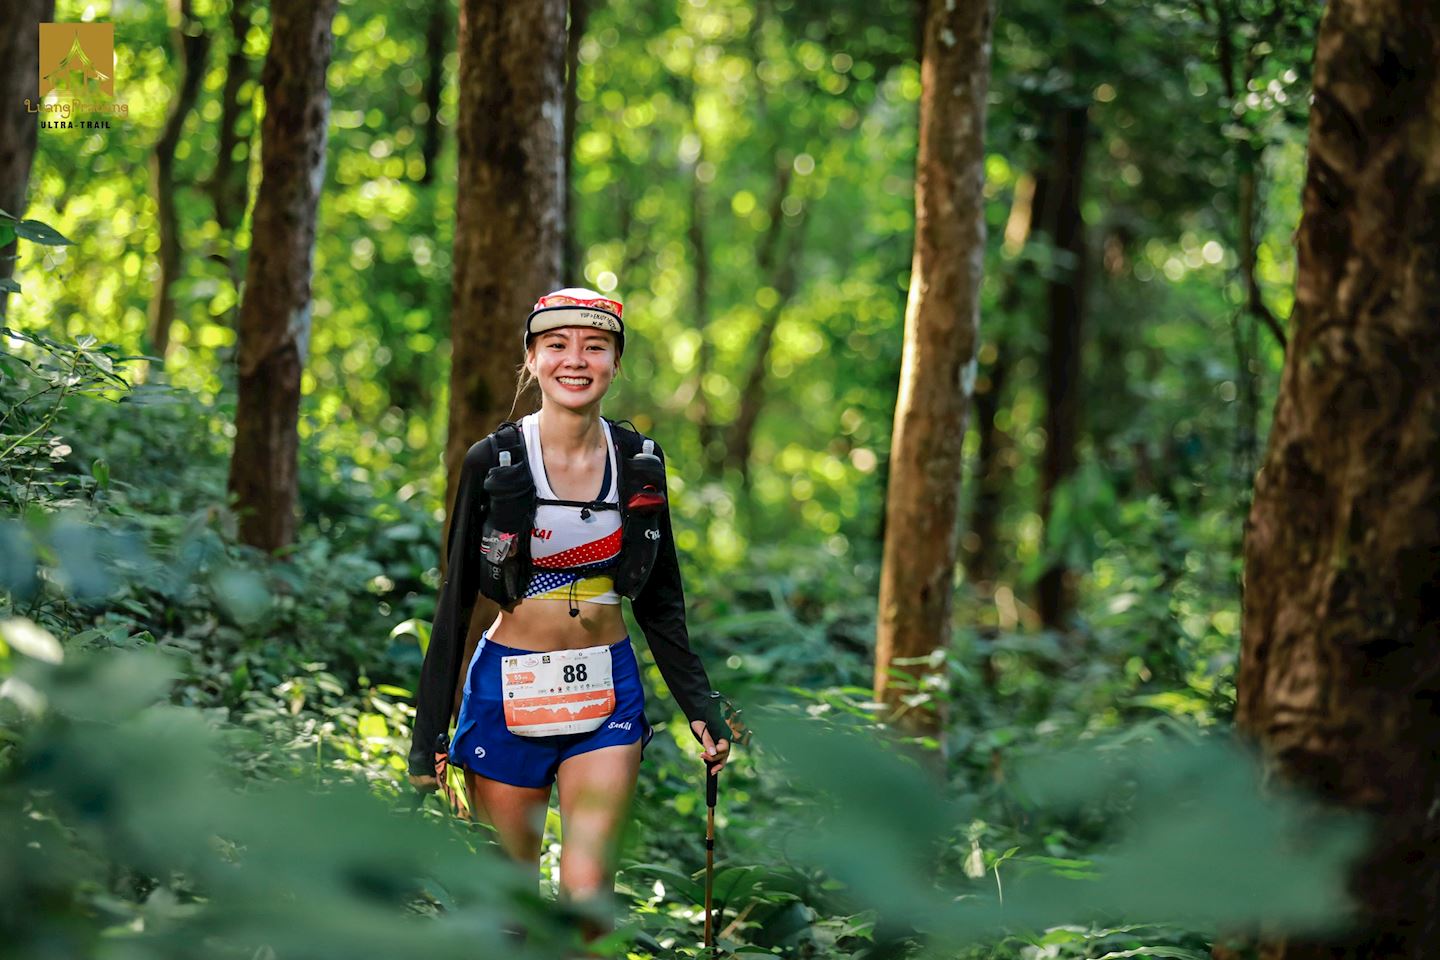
1167, 953
372, 725
42, 233
35, 642
676, 882
100, 470
415, 627
241, 593
6, 284
389, 689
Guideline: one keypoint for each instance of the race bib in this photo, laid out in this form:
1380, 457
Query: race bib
549, 694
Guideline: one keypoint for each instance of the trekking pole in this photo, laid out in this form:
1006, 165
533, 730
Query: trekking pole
712, 786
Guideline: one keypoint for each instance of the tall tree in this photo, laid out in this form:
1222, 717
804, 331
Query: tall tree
579, 16
192, 45
697, 233
996, 458
777, 269
942, 326
510, 216
19, 72
1340, 661
1065, 305
228, 184
437, 31
275, 312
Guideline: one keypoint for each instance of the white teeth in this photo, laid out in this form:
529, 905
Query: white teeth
578, 381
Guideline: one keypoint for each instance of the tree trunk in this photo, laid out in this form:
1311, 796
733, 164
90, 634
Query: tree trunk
941, 333
510, 221
19, 66
510, 218
997, 449
1055, 593
275, 314
711, 441
192, 46
579, 15
992, 473
1340, 662
230, 180
437, 29
779, 271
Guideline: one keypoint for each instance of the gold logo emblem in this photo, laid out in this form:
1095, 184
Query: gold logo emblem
77, 60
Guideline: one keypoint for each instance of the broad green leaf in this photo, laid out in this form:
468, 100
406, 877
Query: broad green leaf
23, 636
415, 627
37, 232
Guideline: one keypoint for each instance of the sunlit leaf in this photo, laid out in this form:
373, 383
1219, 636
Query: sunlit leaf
37, 232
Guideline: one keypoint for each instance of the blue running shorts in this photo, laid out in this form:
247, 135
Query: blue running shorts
486, 746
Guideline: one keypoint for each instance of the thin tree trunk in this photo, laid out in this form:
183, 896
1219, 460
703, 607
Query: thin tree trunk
941, 333
437, 30
275, 314
992, 474
1340, 661
780, 271
579, 16
19, 68
996, 455
1249, 158
1247, 161
711, 441
1055, 593
192, 45
740, 437
230, 180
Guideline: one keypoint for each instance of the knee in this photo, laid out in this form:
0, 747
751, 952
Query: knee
584, 876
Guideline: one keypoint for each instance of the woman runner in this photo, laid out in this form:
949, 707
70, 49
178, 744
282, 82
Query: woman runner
528, 720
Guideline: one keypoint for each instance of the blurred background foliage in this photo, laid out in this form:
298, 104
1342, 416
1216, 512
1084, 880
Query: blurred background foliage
201, 744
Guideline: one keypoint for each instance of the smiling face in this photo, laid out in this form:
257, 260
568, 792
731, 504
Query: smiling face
573, 365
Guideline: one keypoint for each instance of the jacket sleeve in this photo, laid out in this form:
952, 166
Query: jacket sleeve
659, 609
440, 672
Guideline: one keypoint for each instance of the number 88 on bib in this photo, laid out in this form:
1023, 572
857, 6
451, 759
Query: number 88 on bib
550, 694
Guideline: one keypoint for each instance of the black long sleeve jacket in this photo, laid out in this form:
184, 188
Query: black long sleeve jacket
659, 609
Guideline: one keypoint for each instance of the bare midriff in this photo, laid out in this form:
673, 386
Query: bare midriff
546, 625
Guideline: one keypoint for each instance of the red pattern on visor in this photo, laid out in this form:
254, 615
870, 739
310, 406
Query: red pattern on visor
565, 300
564, 308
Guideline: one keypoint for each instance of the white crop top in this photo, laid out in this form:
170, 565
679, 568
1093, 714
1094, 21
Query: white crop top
573, 550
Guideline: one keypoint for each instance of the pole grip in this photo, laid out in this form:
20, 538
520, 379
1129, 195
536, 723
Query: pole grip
712, 785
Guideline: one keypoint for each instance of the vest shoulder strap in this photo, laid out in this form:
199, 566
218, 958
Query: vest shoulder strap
628, 440
509, 437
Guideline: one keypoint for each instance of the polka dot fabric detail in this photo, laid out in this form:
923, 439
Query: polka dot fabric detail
557, 586
596, 551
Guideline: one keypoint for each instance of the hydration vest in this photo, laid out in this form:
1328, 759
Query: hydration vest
512, 501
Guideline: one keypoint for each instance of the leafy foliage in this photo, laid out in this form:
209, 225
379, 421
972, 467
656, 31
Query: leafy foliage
199, 744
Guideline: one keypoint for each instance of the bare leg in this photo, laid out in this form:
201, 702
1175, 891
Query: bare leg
516, 813
595, 792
